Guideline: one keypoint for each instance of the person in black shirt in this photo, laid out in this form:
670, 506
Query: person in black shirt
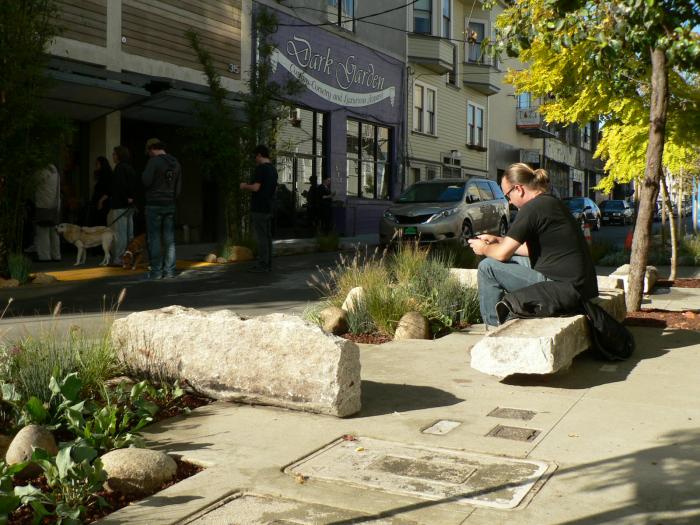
121, 198
263, 186
100, 193
543, 243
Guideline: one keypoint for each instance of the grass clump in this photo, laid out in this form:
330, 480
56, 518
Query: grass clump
19, 267
413, 278
328, 242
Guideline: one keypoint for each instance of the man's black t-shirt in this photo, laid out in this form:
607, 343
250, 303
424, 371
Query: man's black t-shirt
555, 243
266, 175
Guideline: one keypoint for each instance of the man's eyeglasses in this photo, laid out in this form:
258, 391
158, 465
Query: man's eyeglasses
508, 192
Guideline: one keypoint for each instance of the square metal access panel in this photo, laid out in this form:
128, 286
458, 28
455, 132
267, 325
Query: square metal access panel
424, 472
514, 433
512, 413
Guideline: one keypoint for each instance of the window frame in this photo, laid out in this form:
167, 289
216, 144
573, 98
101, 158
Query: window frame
467, 44
362, 160
431, 17
477, 107
338, 19
424, 112
449, 18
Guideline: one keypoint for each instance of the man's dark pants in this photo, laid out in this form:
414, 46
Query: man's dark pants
160, 221
262, 228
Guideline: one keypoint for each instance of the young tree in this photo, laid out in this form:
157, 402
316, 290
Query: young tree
606, 58
29, 135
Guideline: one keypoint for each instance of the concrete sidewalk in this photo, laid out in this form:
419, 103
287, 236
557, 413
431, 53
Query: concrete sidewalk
620, 441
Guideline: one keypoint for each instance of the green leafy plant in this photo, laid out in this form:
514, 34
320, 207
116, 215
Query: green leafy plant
19, 267
328, 242
9, 501
105, 428
74, 476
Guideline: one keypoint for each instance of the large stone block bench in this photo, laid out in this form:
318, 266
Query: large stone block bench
276, 359
539, 346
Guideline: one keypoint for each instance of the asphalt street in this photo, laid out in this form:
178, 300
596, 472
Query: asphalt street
229, 285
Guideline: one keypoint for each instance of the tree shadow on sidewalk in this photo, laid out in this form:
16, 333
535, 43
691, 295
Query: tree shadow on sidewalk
386, 398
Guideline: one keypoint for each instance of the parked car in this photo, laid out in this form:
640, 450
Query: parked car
446, 209
584, 210
617, 211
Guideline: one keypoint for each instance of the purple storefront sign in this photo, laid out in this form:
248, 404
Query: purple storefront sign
337, 72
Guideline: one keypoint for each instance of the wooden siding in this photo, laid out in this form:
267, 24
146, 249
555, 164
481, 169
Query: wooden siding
156, 29
451, 121
83, 20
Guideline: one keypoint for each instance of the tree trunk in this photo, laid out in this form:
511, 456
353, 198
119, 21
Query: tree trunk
674, 237
652, 175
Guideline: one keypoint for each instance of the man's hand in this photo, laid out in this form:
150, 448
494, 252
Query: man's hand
490, 239
479, 244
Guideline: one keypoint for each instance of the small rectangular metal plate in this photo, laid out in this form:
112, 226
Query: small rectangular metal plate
512, 413
424, 472
515, 433
441, 427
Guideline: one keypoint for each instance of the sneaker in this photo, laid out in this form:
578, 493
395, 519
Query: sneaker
170, 276
148, 276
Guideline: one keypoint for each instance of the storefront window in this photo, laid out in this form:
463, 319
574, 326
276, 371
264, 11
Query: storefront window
368, 167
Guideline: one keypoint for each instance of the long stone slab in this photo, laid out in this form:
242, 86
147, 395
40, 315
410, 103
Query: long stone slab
277, 359
651, 275
467, 277
540, 346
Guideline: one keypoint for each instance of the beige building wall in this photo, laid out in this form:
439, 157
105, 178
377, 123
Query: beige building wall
148, 37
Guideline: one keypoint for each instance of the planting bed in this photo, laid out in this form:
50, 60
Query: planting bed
115, 500
688, 320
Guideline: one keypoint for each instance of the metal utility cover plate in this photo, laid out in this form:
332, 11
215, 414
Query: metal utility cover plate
424, 472
265, 510
442, 427
512, 413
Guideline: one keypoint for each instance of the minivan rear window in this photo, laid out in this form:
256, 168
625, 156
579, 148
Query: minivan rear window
612, 205
433, 192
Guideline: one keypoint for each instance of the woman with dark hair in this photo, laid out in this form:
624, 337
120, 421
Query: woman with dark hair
100, 192
121, 199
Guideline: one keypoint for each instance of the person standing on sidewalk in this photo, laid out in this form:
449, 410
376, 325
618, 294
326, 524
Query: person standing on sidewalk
162, 182
121, 199
47, 215
544, 243
262, 186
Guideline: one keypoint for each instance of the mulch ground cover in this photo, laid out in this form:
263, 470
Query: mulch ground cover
115, 500
688, 320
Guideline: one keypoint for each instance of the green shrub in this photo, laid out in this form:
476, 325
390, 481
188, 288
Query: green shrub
19, 267
328, 242
600, 249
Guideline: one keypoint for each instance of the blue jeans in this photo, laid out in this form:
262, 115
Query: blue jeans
262, 227
160, 222
497, 278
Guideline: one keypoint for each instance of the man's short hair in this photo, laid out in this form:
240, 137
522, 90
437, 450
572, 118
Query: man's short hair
154, 144
262, 150
122, 153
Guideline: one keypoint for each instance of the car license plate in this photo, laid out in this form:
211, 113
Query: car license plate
411, 230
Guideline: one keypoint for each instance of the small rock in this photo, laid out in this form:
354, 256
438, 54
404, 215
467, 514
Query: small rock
137, 471
355, 297
8, 283
43, 278
240, 253
124, 381
210, 258
221, 260
21, 447
412, 326
334, 320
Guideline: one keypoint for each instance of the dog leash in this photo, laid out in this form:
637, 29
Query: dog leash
127, 210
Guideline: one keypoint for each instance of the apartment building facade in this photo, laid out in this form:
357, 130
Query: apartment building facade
124, 71
450, 82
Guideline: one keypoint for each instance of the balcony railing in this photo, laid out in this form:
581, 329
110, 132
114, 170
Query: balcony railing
432, 52
530, 121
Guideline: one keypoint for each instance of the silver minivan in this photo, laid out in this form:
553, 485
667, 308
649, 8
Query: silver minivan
446, 209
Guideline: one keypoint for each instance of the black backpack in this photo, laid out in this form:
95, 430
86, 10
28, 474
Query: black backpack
611, 339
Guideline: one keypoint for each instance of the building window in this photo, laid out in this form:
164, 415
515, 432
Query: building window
424, 119
524, 100
586, 137
447, 18
342, 13
476, 32
431, 173
452, 75
413, 176
368, 150
475, 125
423, 17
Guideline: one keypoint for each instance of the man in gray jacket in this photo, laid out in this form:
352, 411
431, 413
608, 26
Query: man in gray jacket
162, 182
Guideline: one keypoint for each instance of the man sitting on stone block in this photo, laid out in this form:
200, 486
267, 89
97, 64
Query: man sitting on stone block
543, 243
